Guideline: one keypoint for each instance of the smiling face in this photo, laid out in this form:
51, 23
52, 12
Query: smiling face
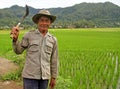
44, 23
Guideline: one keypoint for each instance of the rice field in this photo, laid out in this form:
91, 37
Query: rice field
88, 58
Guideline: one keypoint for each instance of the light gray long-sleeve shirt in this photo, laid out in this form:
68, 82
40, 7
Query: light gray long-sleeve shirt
41, 55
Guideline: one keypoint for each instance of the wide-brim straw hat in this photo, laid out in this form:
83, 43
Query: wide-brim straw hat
44, 12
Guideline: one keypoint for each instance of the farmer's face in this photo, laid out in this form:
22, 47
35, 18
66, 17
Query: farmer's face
44, 23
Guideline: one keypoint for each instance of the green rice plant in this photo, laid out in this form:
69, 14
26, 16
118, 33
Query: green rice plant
63, 83
88, 58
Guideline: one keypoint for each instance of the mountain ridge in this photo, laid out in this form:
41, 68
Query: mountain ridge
80, 15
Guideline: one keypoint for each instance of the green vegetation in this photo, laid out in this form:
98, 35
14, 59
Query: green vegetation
89, 58
83, 15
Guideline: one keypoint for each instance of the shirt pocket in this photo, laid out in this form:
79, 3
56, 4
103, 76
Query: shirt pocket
48, 48
34, 46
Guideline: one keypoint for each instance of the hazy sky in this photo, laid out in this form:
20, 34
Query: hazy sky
49, 3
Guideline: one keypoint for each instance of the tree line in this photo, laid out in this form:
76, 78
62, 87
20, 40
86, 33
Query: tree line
83, 15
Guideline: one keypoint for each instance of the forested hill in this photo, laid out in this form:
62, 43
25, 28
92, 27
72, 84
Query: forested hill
80, 15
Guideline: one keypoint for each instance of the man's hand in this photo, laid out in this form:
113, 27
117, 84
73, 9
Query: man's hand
14, 33
52, 83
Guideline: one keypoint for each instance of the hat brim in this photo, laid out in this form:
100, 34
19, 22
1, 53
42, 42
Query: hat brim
36, 17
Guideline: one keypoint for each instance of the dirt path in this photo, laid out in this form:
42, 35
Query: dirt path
7, 66
10, 85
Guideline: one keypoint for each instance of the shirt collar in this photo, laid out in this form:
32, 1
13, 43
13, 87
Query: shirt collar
47, 34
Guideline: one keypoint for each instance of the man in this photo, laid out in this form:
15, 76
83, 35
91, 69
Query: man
41, 53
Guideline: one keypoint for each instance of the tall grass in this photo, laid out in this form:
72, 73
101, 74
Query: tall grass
89, 58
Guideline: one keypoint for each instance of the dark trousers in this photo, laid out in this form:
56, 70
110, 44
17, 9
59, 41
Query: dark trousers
35, 84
